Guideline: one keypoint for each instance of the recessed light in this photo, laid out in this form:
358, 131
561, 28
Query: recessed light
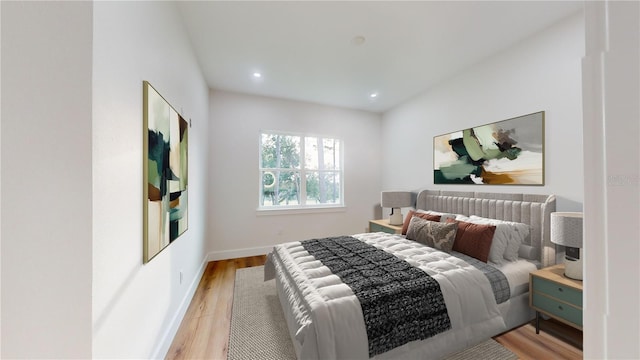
373, 95
358, 40
257, 75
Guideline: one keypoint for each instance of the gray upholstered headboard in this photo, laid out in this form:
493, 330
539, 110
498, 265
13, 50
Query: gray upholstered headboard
531, 209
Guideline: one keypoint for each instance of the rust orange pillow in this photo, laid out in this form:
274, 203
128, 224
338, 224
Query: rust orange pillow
474, 239
411, 214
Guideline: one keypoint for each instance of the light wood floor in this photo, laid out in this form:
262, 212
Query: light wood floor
204, 332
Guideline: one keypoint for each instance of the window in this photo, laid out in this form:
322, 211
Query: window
298, 171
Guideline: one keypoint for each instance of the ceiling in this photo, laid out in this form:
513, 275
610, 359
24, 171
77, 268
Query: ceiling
339, 53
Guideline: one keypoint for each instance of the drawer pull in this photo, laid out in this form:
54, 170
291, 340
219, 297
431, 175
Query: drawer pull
560, 289
560, 307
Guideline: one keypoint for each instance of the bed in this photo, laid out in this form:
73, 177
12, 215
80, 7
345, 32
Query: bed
333, 311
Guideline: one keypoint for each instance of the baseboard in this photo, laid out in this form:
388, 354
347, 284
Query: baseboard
167, 337
239, 253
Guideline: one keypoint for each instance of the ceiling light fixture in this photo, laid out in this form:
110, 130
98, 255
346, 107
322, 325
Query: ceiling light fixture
257, 75
373, 95
358, 40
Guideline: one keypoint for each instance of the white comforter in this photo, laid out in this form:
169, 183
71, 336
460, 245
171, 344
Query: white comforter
325, 318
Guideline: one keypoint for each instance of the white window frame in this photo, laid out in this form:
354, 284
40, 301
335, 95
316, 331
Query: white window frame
302, 207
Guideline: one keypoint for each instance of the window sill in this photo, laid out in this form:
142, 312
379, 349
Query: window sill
300, 210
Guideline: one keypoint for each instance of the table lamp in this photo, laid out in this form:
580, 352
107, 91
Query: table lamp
566, 230
395, 200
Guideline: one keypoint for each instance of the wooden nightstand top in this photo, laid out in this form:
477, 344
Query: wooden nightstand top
555, 273
385, 222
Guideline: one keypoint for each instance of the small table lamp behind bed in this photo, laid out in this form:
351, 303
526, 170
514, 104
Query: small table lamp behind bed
395, 200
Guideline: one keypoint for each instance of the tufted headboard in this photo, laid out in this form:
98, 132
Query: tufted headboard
534, 210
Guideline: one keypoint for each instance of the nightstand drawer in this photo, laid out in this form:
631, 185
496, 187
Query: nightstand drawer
373, 227
557, 308
558, 291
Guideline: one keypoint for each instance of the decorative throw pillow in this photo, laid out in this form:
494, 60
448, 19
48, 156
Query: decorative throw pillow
500, 238
527, 252
474, 239
518, 234
421, 215
443, 216
434, 234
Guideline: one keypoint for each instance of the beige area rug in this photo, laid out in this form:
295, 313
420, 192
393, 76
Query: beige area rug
259, 331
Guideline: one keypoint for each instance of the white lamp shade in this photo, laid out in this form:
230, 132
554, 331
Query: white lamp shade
566, 229
395, 199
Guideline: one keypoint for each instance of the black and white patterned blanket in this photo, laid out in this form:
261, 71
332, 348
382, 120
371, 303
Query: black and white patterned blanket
400, 302
497, 279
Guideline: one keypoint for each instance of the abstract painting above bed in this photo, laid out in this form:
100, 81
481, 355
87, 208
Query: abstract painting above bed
508, 152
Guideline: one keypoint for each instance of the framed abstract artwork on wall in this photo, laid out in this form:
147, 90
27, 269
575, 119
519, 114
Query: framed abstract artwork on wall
165, 169
507, 152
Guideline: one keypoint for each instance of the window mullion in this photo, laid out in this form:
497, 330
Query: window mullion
303, 175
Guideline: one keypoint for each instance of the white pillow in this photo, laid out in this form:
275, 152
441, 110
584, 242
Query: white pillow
518, 233
500, 239
527, 252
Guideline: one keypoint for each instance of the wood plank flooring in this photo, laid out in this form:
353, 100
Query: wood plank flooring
204, 331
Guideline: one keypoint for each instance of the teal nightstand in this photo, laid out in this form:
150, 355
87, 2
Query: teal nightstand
555, 295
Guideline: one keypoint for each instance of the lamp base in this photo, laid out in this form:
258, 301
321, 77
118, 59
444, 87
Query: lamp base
573, 267
396, 218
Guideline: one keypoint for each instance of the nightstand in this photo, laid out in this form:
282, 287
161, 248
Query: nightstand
384, 226
555, 295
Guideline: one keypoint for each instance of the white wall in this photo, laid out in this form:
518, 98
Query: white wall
135, 305
612, 181
235, 228
0, 183
540, 73
46, 167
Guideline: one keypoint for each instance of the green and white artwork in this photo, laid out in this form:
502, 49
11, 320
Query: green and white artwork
508, 152
165, 173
